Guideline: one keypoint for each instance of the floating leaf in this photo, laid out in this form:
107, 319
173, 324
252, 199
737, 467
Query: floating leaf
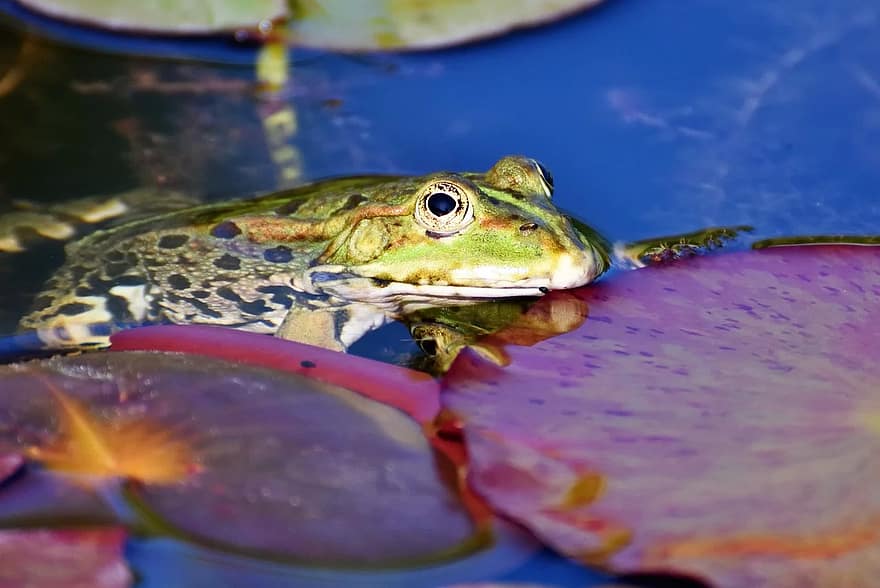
717, 417
329, 24
164, 16
416, 24
9, 464
289, 467
76, 558
413, 392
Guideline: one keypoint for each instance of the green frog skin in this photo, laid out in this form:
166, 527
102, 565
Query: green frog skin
320, 264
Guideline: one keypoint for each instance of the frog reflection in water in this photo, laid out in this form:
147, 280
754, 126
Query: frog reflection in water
321, 264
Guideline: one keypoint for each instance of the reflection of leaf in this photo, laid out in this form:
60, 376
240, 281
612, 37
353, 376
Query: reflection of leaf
130, 448
728, 404
28, 54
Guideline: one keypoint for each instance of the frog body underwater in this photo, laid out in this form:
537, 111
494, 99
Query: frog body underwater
323, 263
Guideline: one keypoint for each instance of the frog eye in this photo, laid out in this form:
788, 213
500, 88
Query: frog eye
546, 177
444, 209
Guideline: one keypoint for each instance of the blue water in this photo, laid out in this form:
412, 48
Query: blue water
163, 563
655, 118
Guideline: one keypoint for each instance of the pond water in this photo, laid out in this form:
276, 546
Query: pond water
655, 118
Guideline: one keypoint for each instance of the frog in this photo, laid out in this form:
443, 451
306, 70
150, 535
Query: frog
322, 264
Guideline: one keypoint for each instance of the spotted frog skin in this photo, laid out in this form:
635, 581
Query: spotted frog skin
320, 264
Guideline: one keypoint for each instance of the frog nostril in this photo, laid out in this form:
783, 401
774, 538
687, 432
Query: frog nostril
528, 227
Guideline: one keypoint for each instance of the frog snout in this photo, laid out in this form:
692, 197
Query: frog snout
573, 269
576, 260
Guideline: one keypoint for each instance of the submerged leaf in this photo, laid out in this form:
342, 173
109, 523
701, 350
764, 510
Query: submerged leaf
716, 417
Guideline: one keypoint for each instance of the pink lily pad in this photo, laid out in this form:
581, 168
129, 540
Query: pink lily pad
282, 466
718, 418
9, 464
74, 558
415, 393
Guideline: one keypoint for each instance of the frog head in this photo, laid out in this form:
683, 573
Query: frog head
459, 236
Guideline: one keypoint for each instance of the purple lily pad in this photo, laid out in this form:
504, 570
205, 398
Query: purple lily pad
9, 464
283, 466
415, 393
719, 417
75, 558
42, 499
39, 498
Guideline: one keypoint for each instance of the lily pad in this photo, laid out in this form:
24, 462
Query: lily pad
415, 393
716, 418
76, 558
415, 24
255, 461
164, 16
327, 24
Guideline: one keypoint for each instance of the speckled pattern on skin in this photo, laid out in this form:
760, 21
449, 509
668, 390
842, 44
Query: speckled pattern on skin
324, 263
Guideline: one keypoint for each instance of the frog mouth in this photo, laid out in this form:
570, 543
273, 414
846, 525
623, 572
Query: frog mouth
478, 283
339, 282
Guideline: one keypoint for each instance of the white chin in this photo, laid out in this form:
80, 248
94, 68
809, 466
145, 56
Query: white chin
571, 273
399, 290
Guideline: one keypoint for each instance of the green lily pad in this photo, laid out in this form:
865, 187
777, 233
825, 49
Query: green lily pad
164, 16
241, 458
327, 24
415, 24
717, 418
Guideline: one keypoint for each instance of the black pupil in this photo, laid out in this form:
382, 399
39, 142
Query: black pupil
429, 346
548, 177
441, 204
